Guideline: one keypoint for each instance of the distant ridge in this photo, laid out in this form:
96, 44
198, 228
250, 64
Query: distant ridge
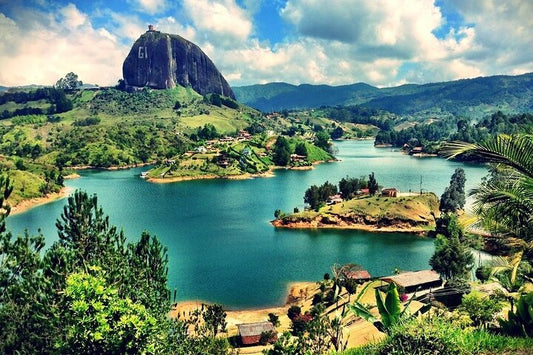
465, 96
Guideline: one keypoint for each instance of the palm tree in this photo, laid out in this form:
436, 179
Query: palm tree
504, 200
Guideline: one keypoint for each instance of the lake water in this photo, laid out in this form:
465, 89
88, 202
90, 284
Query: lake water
221, 245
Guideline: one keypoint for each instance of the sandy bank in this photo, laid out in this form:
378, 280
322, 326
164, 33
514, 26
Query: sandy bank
356, 226
357, 331
27, 204
72, 176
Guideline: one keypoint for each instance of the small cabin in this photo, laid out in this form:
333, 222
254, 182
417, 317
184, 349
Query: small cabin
390, 192
412, 281
250, 333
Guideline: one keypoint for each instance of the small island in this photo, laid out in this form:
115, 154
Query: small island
363, 208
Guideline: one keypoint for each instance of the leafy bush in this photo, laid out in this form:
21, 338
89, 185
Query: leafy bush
293, 312
481, 309
267, 337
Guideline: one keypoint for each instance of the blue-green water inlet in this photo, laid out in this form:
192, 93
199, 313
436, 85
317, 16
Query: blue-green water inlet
221, 245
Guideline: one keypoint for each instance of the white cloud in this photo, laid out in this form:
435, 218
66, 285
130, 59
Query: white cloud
152, 6
503, 41
73, 18
44, 51
219, 21
171, 25
128, 26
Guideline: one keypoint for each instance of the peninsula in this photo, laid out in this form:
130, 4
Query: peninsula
406, 213
239, 157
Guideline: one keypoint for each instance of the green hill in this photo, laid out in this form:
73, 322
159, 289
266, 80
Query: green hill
474, 97
106, 127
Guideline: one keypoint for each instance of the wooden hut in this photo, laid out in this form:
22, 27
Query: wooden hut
415, 280
250, 333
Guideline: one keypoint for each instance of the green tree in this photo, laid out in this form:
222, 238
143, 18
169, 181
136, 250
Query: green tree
452, 257
300, 149
348, 187
326, 190
337, 133
98, 321
312, 197
214, 99
453, 198
373, 186
282, 151
274, 319
69, 82
322, 140
87, 238
215, 318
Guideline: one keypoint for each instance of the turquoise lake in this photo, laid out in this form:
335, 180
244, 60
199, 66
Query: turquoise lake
221, 245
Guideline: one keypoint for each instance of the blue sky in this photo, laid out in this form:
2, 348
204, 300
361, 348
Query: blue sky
380, 42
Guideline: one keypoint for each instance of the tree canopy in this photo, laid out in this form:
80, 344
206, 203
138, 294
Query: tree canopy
453, 198
69, 82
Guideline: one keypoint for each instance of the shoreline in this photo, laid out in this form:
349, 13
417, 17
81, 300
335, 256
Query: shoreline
269, 173
293, 294
28, 204
122, 167
362, 227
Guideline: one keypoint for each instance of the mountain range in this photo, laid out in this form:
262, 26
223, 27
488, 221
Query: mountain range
473, 97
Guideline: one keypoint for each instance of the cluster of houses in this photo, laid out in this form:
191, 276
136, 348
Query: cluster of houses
421, 282
242, 136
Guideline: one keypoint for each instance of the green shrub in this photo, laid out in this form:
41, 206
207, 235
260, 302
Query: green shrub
480, 308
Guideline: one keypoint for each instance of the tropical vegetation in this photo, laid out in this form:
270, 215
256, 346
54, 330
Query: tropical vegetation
91, 291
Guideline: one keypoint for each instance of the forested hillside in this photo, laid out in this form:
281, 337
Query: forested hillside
475, 97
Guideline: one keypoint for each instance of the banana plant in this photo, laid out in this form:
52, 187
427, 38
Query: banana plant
520, 322
390, 309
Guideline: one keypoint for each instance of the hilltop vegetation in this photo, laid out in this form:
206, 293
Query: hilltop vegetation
414, 213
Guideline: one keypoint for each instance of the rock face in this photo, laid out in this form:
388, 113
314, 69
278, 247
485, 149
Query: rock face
162, 61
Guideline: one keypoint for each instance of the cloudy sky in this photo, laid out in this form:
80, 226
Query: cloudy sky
380, 42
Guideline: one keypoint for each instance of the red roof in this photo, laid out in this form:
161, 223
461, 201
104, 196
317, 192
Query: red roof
358, 275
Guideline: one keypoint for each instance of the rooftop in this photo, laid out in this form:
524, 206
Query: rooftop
254, 329
413, 278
